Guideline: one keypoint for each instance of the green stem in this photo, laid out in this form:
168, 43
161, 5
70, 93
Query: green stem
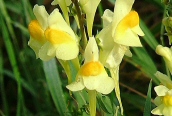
100, 8
76, 63
162, 38
13, 62
63, 6
2, 89
92, 102
67, 68
81, 24
162, 27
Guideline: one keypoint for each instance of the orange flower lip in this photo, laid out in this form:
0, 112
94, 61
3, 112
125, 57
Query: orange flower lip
57, 36
91, 69
167, 100
132, 19
129, 21
36, 31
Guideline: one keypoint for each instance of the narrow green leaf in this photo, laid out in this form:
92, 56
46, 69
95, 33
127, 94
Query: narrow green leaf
104, 103
11, 54
2, 87
144, 56
148, 37
147, 109
136, 100
24, 83
55, 86
145, 68
112, 1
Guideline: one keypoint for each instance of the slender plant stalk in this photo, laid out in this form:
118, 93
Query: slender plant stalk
66, 67
92, 102
81, 24
2, 89
12, 57
162, 36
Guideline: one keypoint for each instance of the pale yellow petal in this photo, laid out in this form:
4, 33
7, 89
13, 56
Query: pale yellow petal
127, 38
89, 8
92, 73
107, 17
58, 36
115, 57
56, 21
47, 52
128, 52
66, 47
164, 51
67, 51
90, 82
158, 101
41, 15
105, 85
125, 32
83, 2
169, 92
161, 90
138, 30
99, 82
35, 45
68, 2
63, 5
76, 86
106, 39
106, 43
167, 111
55, 2
164, 79
121, 9
158, 110
91, 50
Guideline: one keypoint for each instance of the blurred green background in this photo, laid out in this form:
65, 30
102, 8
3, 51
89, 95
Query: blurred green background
23, 87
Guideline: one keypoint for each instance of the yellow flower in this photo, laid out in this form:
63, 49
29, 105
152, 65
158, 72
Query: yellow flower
51, 36
92, 74
64, 7
89, 7
166, 53
121, 30
65, 2
164, 79
163, 101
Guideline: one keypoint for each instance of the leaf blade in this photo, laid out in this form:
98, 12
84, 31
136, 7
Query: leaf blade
147, 108
54, 84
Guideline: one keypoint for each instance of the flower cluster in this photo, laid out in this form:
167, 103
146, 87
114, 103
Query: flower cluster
163, 101
51, 36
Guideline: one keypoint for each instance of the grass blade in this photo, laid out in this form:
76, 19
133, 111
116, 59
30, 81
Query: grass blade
147, 108
13, 62
148, 37
54, 84
2, 88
